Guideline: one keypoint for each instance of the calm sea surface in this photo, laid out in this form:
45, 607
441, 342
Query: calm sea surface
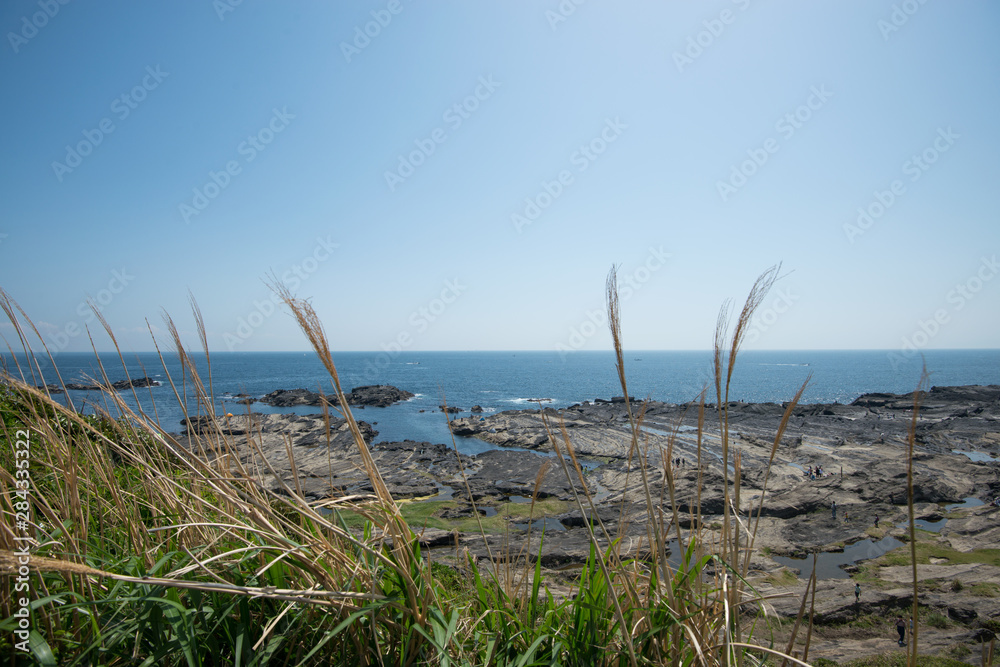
510, 380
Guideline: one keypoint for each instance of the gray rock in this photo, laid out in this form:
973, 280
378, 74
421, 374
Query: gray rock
963, 612
120, 385
380, 396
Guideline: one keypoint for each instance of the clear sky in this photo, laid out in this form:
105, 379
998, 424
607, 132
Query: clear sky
463, 175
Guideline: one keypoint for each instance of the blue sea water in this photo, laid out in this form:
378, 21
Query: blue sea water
500, 381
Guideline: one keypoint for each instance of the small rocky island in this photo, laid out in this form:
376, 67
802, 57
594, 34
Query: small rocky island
380, 396
120, 385
858, 449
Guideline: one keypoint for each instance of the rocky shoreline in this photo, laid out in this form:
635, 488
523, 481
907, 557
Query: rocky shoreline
861, 447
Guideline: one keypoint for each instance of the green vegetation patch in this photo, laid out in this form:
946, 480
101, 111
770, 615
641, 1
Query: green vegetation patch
511, 513
868, 574
421, 514
876, 533
869, 622
985, 589
782, 577
959, 651
937, 620
932, 548
425, 514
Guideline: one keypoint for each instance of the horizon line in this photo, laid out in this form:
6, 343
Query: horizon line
533, 351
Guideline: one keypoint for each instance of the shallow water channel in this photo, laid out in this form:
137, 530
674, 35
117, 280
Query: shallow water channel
829, 564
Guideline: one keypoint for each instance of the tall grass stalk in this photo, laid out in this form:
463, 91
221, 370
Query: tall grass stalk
911, 439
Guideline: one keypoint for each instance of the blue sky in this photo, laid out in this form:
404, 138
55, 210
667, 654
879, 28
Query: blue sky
462, 176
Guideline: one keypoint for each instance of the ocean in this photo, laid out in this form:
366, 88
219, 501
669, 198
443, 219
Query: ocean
499, 381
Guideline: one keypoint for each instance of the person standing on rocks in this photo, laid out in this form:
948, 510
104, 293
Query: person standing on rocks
833, 508
901, 629
876, 520
857, 593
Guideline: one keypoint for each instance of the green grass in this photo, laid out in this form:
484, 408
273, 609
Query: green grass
781, 578
899, 556
457, 588
929, 545
937, 620
985, 589
877, 533
421, 514
959, 651
868, 574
